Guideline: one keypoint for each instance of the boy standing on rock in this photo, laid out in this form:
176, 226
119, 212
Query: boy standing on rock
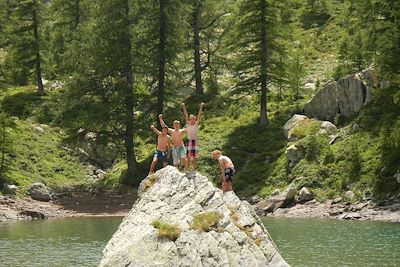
178, 150
192, 126
227, 170
162, 145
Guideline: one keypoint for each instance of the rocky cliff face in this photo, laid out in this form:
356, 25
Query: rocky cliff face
346, 96
237, 239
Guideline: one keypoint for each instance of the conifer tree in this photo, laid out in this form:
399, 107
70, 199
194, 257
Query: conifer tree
24, 51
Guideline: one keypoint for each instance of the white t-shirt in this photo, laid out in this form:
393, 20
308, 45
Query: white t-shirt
192, 131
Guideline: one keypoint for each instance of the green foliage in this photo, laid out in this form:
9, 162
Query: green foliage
166, 230
206, 221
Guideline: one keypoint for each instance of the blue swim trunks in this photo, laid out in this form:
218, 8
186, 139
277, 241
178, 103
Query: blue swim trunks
163, 155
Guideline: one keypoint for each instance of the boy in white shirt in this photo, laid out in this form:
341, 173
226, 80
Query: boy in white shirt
192, 126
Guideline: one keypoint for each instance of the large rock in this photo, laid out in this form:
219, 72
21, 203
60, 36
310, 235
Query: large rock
346, 96
38, 191
294, 154
173, 197
96, 150
274, 202
324, 105
305, 195
291, 124
351, 93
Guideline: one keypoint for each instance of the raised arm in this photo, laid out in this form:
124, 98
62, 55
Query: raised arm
155, 130
185, 113
200, 112
160, 117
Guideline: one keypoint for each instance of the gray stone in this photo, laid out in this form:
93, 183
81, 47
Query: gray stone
175, 199
324, 105
346, 96
34, 214
291, 124
294, 154
38, 191
275, 192
349, 194
92, 149
305, 195
327, 127
397, 177
39, 129
351, 93
11, 189
254, 199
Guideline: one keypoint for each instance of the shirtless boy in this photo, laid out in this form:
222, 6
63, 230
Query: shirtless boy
192, 126
227, 170
162, 145
178, 150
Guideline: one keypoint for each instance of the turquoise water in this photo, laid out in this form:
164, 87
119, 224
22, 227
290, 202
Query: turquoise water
58, 242
328, 242
302, 242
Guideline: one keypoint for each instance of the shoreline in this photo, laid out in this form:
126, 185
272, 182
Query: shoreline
85, 204
360, 211
78, 204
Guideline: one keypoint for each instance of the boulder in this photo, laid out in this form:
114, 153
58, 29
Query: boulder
254, 199
39, 129
346, 96
351, 93
291, 124
38, 191
94, 149
305, 195
324, 105
238, 238
10, 189
34, 214
349, 194
327, 127
397, 177
294, 154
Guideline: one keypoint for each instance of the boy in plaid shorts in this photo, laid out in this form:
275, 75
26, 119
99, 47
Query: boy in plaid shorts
192, 126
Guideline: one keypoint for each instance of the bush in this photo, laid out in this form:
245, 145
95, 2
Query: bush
206, 221
166, 230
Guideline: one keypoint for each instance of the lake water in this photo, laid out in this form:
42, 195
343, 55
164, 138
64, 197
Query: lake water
302, 242
330, 242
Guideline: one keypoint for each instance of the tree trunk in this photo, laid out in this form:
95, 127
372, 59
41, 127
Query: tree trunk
161, 62
129, 100
38, 69
196, 47
77, 17
263, 57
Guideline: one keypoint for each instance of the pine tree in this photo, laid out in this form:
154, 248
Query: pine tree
257, 35
103, 76
24, 55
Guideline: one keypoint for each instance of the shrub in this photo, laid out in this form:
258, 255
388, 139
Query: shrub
149, 182
206, 221
166, 230
305, 128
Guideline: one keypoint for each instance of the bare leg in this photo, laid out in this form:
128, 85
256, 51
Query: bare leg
185, 164
229, 186
153, 165
165, 164
194, 163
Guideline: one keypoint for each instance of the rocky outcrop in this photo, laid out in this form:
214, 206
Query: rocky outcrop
38, 191
346, 96
238, 239
276, 201
299, 122
291, 124
324, 105
96, 150
294, 154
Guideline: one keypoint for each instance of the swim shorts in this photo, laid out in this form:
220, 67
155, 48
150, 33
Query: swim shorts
229, 173
178, 153
192, 149
163, 155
